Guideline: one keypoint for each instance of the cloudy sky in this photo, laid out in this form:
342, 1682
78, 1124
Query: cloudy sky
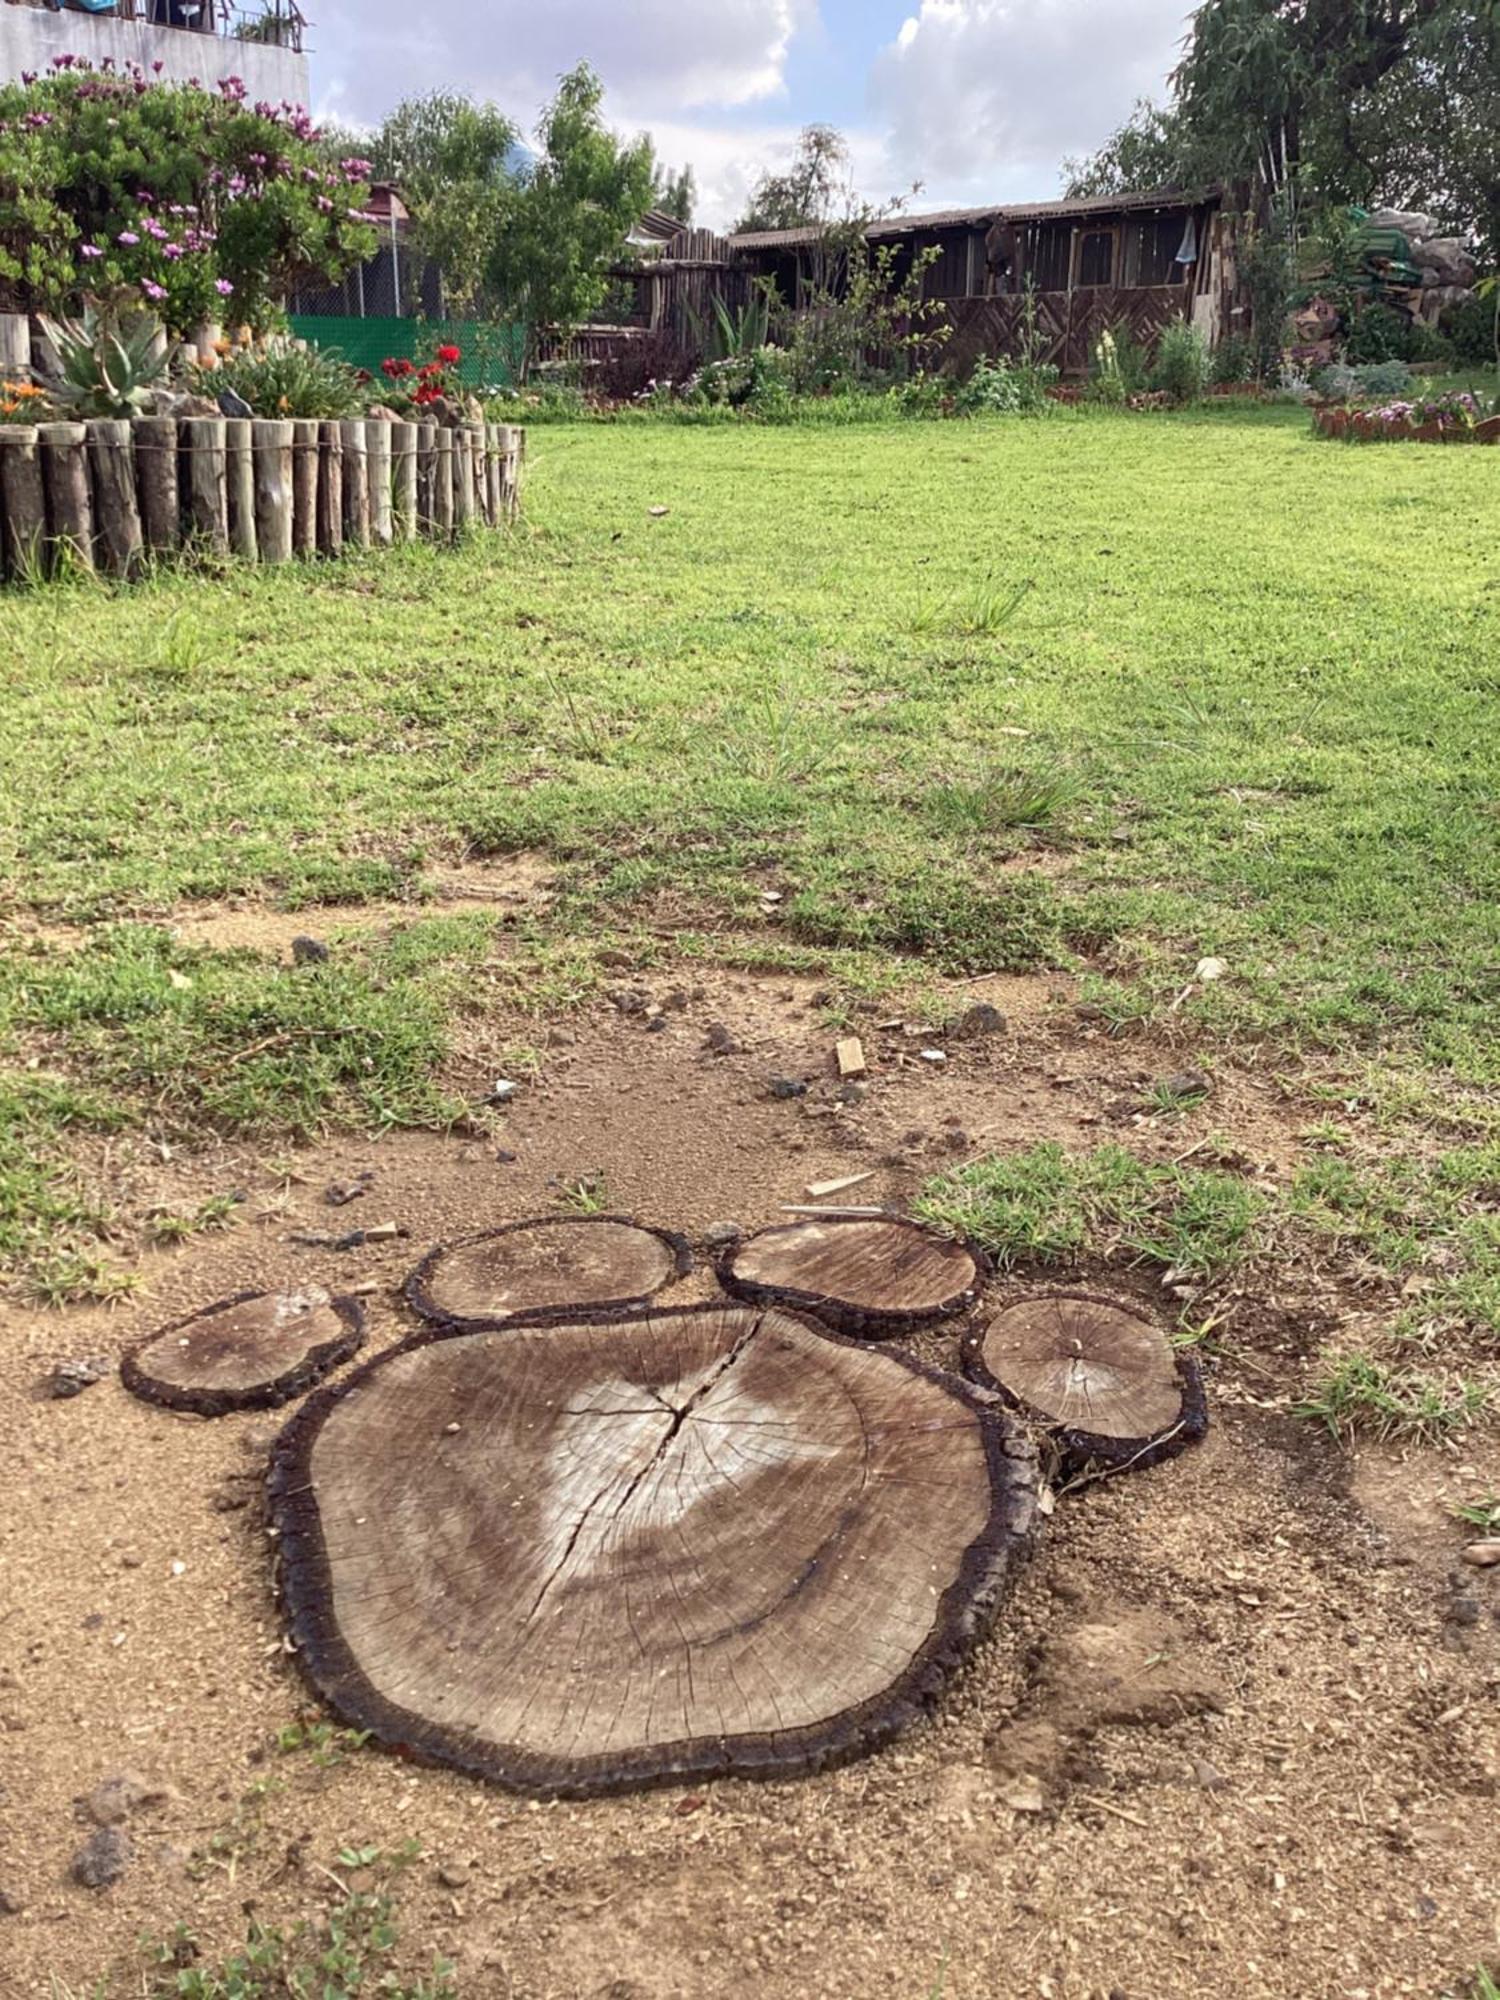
978, 100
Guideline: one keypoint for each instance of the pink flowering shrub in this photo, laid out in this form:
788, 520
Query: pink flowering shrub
192, 202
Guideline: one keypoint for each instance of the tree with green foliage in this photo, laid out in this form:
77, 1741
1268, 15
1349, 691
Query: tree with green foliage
454, 163
809, 192
569, 212
675, 193
1380, 101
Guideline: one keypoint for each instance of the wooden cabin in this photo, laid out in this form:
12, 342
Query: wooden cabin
1140, 261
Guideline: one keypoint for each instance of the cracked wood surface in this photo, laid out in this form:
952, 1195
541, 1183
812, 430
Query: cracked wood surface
1106, 1380
590, 1556
557, 1264
867, 1275
250, 1351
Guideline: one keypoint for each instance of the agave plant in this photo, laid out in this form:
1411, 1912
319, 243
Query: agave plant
105, 372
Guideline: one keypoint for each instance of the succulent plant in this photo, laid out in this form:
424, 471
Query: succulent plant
103, 371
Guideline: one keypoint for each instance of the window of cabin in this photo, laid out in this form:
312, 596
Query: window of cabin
1096, 257
1047, 257
1151, 247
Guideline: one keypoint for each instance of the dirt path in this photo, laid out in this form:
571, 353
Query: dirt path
1237, 1734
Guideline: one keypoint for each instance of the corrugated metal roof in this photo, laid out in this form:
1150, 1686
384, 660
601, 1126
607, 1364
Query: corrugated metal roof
958, 218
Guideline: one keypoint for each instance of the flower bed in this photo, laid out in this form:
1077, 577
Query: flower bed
1455, 418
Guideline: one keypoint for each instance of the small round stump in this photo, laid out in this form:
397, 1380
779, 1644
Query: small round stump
560, 1264
249, 1352
870, 1276
1105, 1382
588, 1557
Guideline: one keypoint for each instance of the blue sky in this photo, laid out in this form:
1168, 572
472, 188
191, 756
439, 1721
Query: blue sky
978, 100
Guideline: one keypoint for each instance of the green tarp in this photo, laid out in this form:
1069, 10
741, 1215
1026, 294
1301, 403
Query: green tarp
491, 353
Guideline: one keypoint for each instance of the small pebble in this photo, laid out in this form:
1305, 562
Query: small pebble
503, 1091
103, 1858
786, 1087
1483, 1555
720, 1235
718, 1040
10, 1905
933, 1056
71, 1378
981, 1019
452, 1876
309, 951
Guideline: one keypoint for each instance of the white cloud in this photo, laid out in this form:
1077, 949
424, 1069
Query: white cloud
981, 99
654, 55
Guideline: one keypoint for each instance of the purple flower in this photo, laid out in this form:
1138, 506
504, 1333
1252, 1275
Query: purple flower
153, 228
223, 287
36, 120
28, 77
172, 251
153, 291
127, 236
158, 66
89, 250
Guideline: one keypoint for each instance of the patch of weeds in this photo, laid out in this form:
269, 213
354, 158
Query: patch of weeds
951, 920
217, 1212
1003, 798
1177, 1093
325, 1743
587, 1195
1482, 1514
50, 1224
1048, 1207
982, 610
1119, 1004
1361, 1394
351, 1949
77, 1277
182, 646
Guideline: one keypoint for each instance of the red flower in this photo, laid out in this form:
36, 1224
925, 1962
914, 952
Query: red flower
429, 369
395, 367
450, 356
428, 393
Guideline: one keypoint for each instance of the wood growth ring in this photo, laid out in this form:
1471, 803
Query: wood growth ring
1106, 1382
870, 1276
586, 1557
248, 1352
556, 1264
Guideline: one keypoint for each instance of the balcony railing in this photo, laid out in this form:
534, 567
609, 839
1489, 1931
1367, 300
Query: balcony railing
279, 23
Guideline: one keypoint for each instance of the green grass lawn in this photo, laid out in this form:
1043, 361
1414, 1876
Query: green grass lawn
1234, 687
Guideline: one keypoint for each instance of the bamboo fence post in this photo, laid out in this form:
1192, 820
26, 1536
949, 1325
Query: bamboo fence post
65, 472
203, 445
443, 485
463, 480
156, 480
23, 501
117, 518
404, 480
305, 487
378, 460
330, 487
490, 476
272, 441
15, 348
356, 485
427, 479
239, 463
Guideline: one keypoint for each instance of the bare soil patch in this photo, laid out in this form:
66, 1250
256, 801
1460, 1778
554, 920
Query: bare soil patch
1237, 1733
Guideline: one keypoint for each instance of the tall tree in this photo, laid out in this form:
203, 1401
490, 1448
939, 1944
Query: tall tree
811, 189
454, 162
1152, 149
675, 193
570, 212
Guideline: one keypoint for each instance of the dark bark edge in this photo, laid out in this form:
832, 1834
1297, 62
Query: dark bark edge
963, 1616
863, 1323
418, 1295
1080, 1449
311, 1369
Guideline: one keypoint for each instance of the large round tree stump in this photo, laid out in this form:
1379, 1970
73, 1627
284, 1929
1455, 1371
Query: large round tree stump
1105, 1382
591, 1556
871, 1276
560, 1264
249, 1352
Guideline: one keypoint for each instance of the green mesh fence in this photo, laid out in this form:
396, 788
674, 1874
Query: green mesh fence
491, 353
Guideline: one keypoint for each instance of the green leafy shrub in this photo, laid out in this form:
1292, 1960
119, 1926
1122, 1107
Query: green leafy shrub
1234, 360
281, 380
1118, 368
190, 201
1470, 330
1182, 363
1340, 383
1378, 333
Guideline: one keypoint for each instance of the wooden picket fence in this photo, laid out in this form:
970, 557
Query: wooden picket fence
110, 493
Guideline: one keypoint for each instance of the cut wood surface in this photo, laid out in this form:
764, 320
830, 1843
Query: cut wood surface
557, 1263
871, 1275
252, 1351
1105, 1381
594, 1556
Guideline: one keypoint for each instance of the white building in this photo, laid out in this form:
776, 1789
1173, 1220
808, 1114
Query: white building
260, 41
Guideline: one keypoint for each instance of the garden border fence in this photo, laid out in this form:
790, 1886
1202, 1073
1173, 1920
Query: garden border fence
109, 493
